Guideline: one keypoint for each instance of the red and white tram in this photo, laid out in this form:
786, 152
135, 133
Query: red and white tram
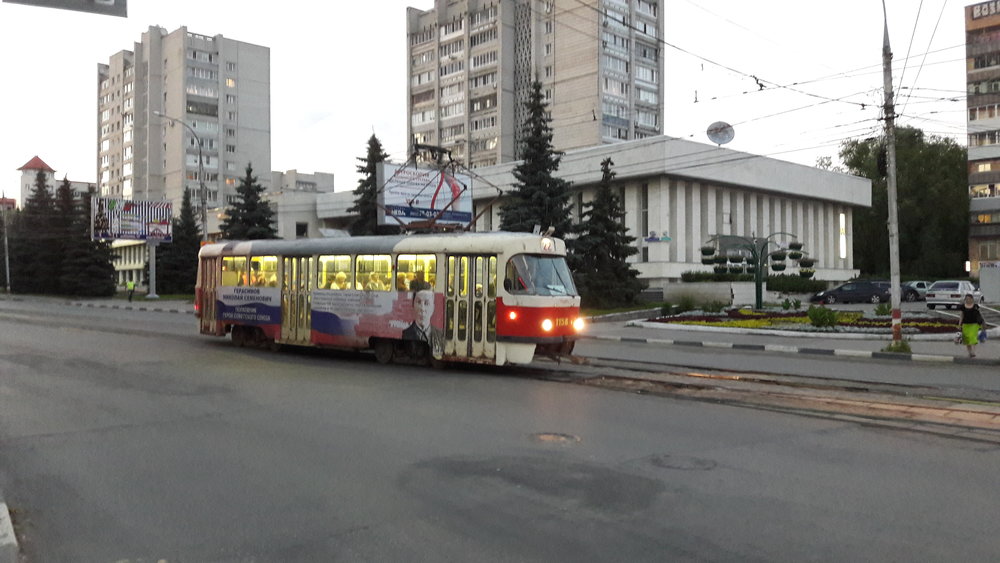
494, 298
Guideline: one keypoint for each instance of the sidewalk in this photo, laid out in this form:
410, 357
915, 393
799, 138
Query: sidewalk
941, 350
138, 304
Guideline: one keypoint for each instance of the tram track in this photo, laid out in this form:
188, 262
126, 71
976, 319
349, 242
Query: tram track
958, 413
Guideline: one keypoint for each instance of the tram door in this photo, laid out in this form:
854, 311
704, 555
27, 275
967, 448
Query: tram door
297, 280
210, 281
470, 307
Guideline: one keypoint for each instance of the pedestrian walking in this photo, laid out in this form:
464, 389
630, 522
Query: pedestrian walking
130, 287
970, 323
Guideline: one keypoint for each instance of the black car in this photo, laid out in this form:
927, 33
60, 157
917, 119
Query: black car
854, 292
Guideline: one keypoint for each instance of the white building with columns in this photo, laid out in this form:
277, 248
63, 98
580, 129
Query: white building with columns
691, 193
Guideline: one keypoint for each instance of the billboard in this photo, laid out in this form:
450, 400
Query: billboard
412, 194
124, 219
105, 7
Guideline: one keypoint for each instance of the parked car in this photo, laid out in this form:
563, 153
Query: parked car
950, 293
854, 292
914, 290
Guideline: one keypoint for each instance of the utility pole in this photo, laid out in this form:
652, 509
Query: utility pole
890, 149
202, 192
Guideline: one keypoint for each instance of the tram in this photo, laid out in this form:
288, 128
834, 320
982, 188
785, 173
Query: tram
489, 298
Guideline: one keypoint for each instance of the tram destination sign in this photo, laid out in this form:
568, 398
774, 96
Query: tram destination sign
125, 219
410, 194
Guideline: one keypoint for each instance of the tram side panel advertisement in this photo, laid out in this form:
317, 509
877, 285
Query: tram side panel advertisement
258, 306
412, 194
350, 318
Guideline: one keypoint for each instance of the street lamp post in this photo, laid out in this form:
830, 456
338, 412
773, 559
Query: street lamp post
202, 192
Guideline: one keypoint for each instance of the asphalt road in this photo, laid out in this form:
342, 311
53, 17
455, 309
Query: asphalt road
125, 436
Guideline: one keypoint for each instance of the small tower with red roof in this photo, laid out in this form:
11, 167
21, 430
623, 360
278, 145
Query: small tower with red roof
28, 173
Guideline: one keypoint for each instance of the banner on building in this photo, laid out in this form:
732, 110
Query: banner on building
412, 194
124, 219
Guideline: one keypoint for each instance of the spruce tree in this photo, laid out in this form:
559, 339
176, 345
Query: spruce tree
538, 197
366, 194
88, 270
250, 217
35, 246
177, 261
66, 222
605, 279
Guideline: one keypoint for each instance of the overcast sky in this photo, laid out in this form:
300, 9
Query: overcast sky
338, 73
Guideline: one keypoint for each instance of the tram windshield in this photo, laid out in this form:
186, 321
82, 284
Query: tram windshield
531, 274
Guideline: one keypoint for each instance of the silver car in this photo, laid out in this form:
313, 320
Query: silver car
950, 293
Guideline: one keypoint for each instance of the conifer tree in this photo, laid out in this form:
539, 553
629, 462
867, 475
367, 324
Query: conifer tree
366, 194
88, 270
250, 217
34, 248
177, 261
538, 198
605, 279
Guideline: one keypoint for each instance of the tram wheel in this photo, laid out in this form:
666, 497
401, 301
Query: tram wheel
239, 336
384, 351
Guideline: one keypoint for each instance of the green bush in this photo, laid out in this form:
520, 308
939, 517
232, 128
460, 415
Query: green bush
685, 303
821, 316
691, 277
901, 347
713, 307
883, 309
794, 284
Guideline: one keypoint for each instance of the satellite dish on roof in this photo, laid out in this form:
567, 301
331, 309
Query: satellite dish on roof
720, 133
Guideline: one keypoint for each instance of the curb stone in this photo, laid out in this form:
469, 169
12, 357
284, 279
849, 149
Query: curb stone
8, 541
797, 350
135, 308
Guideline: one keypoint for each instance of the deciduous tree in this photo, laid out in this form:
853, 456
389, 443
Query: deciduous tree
933, 205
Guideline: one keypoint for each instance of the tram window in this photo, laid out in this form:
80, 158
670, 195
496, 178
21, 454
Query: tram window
491, 321
374, 272
479, 277
449, 323
492, 277
335, 272
477, 328
263, 271
415, 272
234, 270
538, 275
463, 277
451, 276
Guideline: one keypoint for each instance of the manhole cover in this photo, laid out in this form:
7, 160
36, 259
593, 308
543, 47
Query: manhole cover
554, 437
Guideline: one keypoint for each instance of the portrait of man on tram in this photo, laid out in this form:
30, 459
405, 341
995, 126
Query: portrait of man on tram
421, 328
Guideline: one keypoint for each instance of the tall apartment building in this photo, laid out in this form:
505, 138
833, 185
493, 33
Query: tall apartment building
472, 62
217, 86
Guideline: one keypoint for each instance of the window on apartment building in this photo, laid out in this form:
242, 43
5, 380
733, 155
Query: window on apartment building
548, 26
483, 37
422, 97
231, 66
301, 230
646, 7
487, 79
231, 83
231, 115
231, 148
548, 71
230, 132
548, 49
646, 74
230, 99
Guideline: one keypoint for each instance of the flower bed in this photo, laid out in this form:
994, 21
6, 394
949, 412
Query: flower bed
847, 321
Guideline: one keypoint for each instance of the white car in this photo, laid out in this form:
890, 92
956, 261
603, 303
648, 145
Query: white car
950, 293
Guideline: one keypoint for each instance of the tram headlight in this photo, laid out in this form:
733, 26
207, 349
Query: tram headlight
512, 315
547, 325
579, 324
